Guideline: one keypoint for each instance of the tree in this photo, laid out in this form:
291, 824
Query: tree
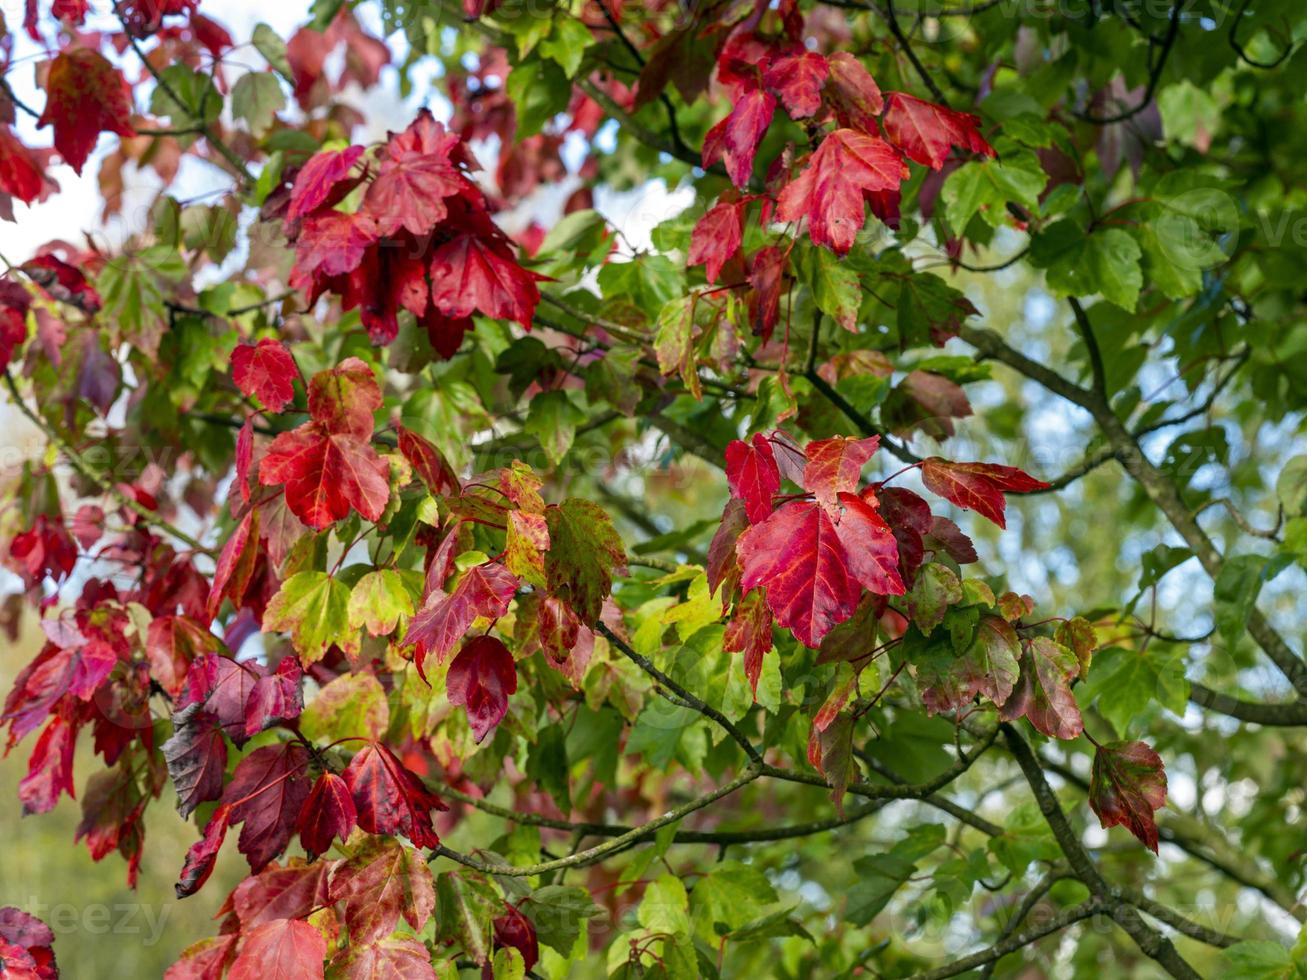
507, 590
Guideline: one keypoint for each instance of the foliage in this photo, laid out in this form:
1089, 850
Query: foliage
346, 537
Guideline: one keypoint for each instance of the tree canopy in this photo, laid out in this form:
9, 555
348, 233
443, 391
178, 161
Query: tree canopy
720, 488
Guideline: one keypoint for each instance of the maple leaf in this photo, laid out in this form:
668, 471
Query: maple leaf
428, 462
977, 486
26, 941
204, 960
328, 813
835, 466
797, 78
223, 686
1127, 783
471, 272
716, 237
988, 666
235, 565
853, 93
735, 139
749, 632
283, 949
515, 930
831, 190
767, 277
1043, 692
65, 283
484, 590
330, 243
813, 568
322, 181
409, 192
380, 882
325, 474
266, 793
267, 371
721, 567
584, 554
201, 855
925, 132
274, 698
196, 756
480, 679
85, 95
393, 958
50, 768
390, 798
314, 608
752, 475
292, 891
21, 173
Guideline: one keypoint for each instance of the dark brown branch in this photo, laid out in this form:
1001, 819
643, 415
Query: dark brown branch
1286, 715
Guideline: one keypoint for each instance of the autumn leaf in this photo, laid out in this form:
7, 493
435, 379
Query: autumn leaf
584, 554
716, 237
752, 475
389, 798
797, 79
735, 139
265, 794
483, 591
267, 371
314, 608
322, 181
203, 853
835, 466
473, 273
283, 949
987, 667
378, 884
327, 814
1043, 692
853, 93
1127, 783
925, 132
749, 632
480, 679
832, 188
813, 568
85, 96
977, 486
196, 756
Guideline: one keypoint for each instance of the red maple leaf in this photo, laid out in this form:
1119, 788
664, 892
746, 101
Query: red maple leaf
327, 464
267, 371
323, 181
767, 277
484, 590
853, 93
481, 678
1127, 783
21, 173
814, 565
977, 486
196, 756
831, 190
390, 798
752, 475
749, 632
203, 853
716, 237
282, 949
835, 466
328, 813
472, 272
266, 792
925, 132
85, 95
50, 767
428, 462
735, 139
797, 78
